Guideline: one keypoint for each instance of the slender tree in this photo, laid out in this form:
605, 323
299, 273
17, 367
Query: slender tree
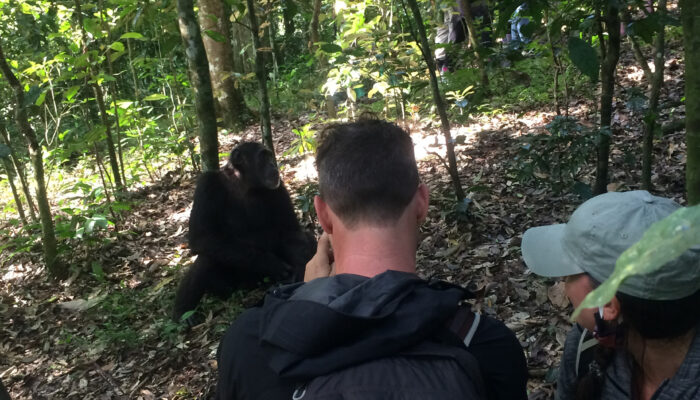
48, 236
289, 10
230, 105
314, 36
437, 98
610, 54
99, 97
465, 5
690, 16
19, 169
201, 84
657, 80
10, 179
265, 123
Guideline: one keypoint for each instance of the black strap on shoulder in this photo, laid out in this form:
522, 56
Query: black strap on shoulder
464, 323
585, 352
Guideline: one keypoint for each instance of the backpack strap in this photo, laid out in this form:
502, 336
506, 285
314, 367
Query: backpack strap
585, 352
464, 324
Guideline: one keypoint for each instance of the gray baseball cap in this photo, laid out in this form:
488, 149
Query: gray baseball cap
598, 232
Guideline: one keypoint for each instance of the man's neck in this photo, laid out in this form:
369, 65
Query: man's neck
370, 250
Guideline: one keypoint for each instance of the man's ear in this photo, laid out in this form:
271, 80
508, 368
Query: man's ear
611, 311
422, 201
324, 218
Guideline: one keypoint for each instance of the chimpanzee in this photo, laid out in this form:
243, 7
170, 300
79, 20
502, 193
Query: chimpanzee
243, 229
3, 392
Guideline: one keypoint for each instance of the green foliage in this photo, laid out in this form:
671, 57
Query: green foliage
556, 159
304, 142
663, 242
584, 57
304, 202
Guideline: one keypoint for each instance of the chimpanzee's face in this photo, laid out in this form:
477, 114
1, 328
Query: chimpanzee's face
254, 165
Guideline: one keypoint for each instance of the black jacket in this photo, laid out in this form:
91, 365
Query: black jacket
306, 330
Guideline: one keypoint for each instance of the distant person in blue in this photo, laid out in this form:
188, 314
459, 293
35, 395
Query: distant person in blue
517, 21
645, 343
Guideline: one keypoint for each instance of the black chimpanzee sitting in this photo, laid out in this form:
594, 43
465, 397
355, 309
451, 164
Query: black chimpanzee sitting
243, 229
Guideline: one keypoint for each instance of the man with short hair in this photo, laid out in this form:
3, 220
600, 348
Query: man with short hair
364, 325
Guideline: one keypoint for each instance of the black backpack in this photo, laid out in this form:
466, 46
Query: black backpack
440, 368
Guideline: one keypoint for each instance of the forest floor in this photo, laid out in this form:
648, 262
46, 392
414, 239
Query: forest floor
107, 334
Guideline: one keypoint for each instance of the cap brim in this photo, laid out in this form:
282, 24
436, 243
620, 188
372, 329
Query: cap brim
543, 252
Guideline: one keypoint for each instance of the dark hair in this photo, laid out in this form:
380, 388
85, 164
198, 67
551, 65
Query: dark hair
660, 319
652, 319
366, 171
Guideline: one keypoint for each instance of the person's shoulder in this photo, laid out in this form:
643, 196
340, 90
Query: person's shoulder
571, 346
241, 330
491, 329
566, 382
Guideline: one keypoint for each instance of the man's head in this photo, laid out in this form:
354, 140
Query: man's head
367, 172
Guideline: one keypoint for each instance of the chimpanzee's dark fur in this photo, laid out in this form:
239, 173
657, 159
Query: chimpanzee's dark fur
243, 229
3, 392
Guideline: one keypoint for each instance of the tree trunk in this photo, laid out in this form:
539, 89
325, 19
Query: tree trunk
611, 54
48, 235
20, 173
289, 9
650, 124
115, 92
230, 105
260, 73
465, 5
18, 201
201, 84
99, 97
637, 49
437, 98
113, 163
690, 16
314, 36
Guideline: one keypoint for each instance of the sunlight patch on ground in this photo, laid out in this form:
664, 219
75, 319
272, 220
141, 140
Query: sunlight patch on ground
427, 144
635, 73
16, 271
305, 169
182, 216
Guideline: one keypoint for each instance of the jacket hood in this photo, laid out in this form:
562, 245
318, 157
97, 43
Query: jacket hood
330, 323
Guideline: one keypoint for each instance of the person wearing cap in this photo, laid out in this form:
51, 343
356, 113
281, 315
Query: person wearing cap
643, 344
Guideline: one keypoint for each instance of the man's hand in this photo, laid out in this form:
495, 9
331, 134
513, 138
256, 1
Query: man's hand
321, 265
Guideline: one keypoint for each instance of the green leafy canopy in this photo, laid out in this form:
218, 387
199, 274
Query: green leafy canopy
663, 242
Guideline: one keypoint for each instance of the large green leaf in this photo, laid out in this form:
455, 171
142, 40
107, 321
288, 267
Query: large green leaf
132, 35
71, 92
584, 57
155, 96
216, 36
664, 241
331, 48
117, 46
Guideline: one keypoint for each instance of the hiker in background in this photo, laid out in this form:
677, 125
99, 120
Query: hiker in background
364, 322
645, 342
452, 31
517, 22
